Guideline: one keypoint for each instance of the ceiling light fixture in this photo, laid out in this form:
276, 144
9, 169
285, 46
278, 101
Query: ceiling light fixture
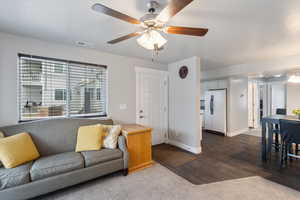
152, 40
152, 23
295, 78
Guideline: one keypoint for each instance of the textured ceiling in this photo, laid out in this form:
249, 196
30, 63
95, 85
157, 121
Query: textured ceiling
239, 31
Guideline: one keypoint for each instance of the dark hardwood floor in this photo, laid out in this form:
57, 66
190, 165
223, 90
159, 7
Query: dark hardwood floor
225, 158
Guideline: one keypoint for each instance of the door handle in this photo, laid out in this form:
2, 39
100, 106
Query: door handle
212, 104
141, 117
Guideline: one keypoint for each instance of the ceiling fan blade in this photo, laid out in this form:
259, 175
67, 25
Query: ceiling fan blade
186, 30
172, 9
125, 37
113, 13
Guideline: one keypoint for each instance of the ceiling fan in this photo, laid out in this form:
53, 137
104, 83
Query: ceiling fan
152, 23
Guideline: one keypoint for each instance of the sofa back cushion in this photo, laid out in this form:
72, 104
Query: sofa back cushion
1, 136
55, 135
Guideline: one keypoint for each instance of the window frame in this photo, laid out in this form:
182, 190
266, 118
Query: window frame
68, 91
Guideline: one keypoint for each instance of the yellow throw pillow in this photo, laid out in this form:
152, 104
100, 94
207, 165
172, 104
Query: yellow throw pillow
111, 134
89, 138
17, 149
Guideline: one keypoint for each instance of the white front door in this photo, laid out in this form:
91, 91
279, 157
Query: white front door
152, 102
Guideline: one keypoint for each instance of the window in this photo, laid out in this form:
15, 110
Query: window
58, 88
60, 94
98, 93
90, 92
58, 68
32, 70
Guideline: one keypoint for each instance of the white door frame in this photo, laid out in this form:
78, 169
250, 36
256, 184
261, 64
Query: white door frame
165, 75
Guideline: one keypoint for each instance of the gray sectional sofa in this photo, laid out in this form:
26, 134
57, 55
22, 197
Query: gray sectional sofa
59, 165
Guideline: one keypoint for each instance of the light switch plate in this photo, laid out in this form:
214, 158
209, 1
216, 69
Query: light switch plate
123, 106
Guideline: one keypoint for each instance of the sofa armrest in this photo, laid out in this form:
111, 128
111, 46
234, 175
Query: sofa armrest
123, 147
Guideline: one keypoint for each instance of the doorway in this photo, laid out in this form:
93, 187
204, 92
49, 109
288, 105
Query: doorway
264, 98
152, 102
254, 105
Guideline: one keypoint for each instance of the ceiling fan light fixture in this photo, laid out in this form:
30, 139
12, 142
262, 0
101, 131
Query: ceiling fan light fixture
151, 40
152, 22
294, 78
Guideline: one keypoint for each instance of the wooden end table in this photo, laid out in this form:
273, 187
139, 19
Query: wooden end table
139, 146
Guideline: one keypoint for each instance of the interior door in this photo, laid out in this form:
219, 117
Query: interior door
250, 104
152, 102
256, 105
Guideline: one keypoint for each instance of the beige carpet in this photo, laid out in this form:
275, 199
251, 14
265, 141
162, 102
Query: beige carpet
158, 182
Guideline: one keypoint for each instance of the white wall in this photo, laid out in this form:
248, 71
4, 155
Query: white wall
121, 74
293, 97
278, 65
278, 96
184, 106
212, 85
237, 106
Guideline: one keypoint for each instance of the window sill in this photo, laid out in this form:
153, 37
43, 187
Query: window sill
77, 117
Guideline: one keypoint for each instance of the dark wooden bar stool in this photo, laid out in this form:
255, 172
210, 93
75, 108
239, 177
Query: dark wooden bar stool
276, 130
290, 134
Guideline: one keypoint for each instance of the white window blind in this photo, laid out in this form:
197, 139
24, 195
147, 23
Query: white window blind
51, 88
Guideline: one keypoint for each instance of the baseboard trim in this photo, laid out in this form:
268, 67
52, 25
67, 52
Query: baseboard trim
237, 132
194, 150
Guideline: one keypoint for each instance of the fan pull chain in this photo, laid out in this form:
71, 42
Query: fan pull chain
155, 51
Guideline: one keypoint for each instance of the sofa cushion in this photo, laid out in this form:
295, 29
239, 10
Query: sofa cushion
56, 164
14, 176
96, 157
53, 136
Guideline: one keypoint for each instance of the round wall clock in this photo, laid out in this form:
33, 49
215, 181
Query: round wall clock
183, 72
